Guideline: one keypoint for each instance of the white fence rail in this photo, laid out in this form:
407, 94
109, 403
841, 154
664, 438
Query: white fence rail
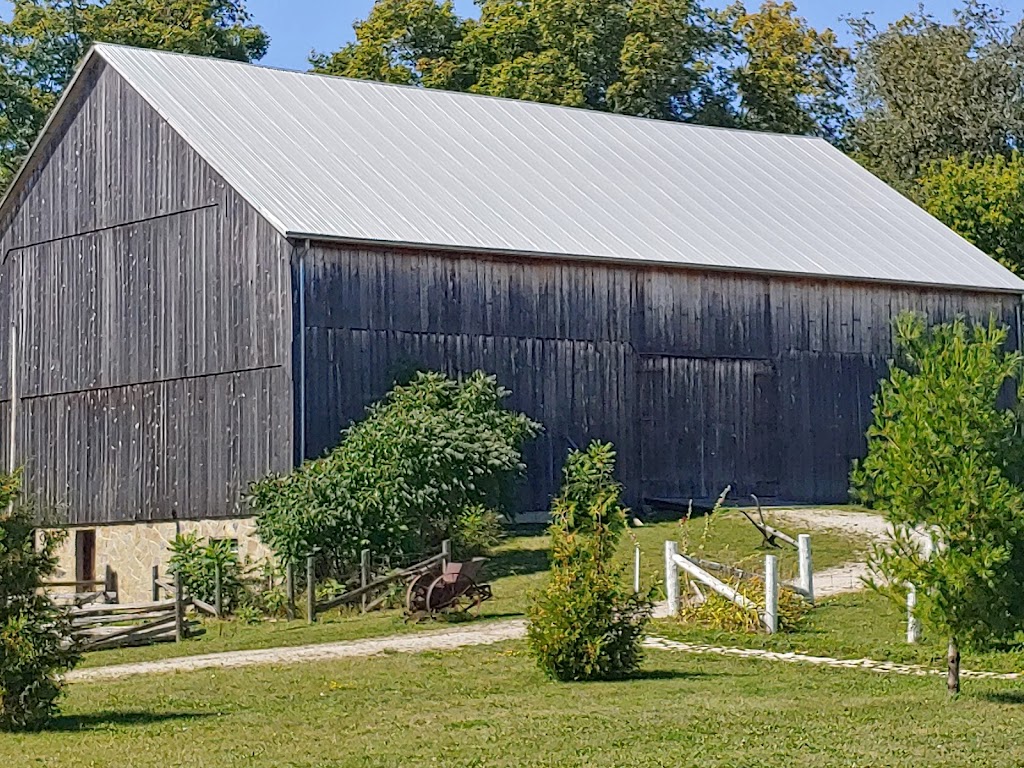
769, 613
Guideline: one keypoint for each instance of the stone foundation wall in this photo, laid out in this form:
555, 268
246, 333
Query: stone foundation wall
133, 549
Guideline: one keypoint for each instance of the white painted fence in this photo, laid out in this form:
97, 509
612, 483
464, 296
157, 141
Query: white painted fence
771, 594
928, 547
805, 581
769, 615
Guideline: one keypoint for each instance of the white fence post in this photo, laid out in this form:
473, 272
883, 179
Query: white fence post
671, 578
771, 594
636, 570
913, 625
803, 543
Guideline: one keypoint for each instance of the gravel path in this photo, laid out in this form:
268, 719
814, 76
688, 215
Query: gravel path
484, 633
864, 524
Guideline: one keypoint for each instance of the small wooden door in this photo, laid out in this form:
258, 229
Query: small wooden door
85, 555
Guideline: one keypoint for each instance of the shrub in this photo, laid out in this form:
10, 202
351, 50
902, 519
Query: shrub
402, 479
943, 458
477, 531
34, 632
586, 624
266, 593
198, 562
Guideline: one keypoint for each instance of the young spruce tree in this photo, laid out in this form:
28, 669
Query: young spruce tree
943, 462
586, 624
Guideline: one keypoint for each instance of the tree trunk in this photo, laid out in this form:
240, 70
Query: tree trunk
953, 668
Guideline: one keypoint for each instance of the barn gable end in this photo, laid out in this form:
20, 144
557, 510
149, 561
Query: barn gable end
153, 315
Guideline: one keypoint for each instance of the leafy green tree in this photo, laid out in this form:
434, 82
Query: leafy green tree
943, 461
44, 39
982, 200
409, 42
642, 57
586, 624
423, 462
928, 91
34, 632
789, 77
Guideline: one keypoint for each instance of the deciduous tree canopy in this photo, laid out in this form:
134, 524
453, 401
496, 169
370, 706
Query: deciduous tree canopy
788, 76
641, 57
44, 39
928, 91
654, 58
982, 200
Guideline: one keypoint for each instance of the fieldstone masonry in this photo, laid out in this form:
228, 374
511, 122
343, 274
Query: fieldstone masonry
133, 549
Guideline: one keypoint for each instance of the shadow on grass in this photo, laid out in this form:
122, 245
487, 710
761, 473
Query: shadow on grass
101, 721
1004, 697
668, 674
654, 674
517, 562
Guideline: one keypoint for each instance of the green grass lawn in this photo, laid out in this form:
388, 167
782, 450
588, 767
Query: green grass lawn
518, 566
490, 706
858, 625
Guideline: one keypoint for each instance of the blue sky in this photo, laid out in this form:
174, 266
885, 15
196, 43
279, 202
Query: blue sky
299, 26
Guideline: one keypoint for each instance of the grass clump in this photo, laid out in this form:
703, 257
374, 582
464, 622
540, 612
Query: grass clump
719, 613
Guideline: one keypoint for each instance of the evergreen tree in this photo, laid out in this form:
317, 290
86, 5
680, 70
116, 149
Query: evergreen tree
943, 461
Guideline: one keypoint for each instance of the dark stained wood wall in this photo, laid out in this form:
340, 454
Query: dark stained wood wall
154, 373
701, 379
156, 313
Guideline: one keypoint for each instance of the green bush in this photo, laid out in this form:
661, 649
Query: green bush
401, 480
197, 563
586, 624
266, 593
34, 632
477, 531
944, 459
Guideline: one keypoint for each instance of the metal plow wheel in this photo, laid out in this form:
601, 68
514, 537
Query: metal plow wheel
455, 590
416, 593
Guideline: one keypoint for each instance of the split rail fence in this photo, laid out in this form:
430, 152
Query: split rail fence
100, 622
372, 593
699, 570
84, 592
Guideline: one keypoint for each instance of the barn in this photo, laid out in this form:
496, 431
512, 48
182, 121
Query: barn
210, 268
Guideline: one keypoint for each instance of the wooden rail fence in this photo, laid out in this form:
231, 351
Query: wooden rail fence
99, 626
366, 588
85, 592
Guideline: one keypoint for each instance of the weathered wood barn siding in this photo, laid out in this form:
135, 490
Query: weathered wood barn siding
701, 379
154, 322
160, 319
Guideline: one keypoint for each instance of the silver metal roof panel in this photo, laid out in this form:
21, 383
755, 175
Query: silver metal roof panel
352, 160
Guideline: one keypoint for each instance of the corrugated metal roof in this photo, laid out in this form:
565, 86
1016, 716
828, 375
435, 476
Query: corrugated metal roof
354, 160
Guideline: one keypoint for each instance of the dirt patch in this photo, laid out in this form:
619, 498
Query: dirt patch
863, 524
